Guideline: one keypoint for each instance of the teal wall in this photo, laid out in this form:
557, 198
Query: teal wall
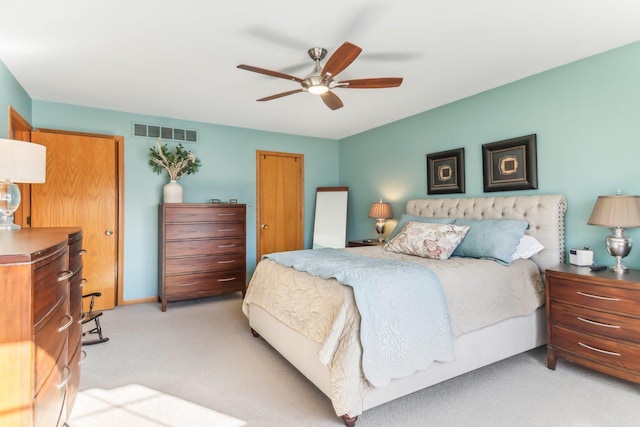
587, 119
228, 170
585, 114
11, 94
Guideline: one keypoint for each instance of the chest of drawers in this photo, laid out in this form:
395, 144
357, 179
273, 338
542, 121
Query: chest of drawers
593, 319
39, 333
202, 250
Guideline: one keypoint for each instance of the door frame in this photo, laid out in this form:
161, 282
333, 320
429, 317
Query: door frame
119, 200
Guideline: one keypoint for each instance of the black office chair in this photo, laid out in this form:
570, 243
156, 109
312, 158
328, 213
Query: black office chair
93, 316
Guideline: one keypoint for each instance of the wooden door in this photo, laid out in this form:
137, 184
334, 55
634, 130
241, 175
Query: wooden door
280, 202
81, 190
20, 129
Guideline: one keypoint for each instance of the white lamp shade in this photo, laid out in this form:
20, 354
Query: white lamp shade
616, 211
22, 161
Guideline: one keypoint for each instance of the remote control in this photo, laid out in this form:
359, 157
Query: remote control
595, 267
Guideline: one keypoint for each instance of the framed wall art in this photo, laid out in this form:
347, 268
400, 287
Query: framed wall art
510, 164
445, 172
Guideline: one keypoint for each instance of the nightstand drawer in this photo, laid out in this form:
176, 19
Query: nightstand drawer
596, 296
595, 322
600, 349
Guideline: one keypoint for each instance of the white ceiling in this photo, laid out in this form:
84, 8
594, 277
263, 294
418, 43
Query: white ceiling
178, 58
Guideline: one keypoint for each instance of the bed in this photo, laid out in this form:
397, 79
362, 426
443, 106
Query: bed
314, 322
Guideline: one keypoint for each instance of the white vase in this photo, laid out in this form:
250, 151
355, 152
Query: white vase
172, 192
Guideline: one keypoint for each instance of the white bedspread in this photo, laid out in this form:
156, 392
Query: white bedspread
404, 323
478, 293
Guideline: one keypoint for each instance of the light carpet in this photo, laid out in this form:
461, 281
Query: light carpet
135, 405
202, 352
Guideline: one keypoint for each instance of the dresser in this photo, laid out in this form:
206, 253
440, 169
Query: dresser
40, 334
202, 250
593, 319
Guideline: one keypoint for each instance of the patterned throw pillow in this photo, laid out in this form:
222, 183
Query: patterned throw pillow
435, 241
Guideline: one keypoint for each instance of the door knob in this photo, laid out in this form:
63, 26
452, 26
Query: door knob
264, 226
108, 232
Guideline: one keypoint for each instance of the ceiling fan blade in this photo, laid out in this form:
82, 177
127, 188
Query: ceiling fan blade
331, 100
341, 59
269, 72
375, 83
280, 95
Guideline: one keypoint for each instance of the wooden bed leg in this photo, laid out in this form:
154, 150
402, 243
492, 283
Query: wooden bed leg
349, 421
254, 333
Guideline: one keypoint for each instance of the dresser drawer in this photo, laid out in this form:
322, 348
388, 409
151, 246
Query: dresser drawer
202, 230
74, 382
50, 340
204, 263
75, 330
48, 288
75, 255
189, 284
596, 296
595, 322
184, 248
619, 354
75, 289
49, 401
203, 214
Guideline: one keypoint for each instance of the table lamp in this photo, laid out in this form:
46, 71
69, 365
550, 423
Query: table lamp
617, 213
22, 162
380, 211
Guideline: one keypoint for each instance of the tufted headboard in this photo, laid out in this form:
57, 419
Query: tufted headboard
545, 214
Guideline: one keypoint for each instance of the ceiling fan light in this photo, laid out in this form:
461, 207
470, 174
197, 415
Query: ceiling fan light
318, 89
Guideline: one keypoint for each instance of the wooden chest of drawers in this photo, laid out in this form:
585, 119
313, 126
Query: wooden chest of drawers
202, 250
39, 334
593, 318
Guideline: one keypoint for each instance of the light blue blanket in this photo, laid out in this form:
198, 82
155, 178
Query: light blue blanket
404, 319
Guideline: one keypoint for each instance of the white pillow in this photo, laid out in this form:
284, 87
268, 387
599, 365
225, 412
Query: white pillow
527, 247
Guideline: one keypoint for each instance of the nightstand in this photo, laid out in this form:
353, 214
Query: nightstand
593, 319
367, 242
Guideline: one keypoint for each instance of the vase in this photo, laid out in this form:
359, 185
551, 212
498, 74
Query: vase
172, 192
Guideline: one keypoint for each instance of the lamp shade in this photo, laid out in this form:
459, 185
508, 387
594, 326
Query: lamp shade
616, 211
22, 161
380, 210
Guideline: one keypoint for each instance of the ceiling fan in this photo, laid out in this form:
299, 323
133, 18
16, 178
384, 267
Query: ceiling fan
321, 80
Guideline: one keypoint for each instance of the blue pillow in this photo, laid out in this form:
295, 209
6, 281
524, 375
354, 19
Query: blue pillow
494, 239
412, 218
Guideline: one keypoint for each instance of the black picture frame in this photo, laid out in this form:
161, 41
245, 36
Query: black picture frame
510, 164
445, 172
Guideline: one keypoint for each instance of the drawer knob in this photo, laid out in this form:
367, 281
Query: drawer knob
593, 322
64, 275
584, 294
64, 382
66, 325
611, 353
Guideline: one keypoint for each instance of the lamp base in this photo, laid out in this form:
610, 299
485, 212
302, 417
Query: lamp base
619, 267
380, 230
618, 245
9, 202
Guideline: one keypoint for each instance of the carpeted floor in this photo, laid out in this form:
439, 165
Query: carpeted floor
199, 360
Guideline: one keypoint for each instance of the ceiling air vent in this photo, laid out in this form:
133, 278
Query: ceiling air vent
155, 132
